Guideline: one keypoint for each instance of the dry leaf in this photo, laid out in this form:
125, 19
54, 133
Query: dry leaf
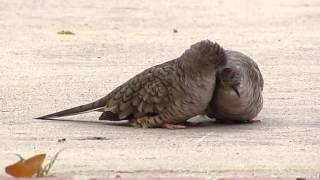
27, 167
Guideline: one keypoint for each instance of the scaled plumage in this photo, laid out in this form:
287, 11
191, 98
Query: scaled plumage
238, 93
171, 92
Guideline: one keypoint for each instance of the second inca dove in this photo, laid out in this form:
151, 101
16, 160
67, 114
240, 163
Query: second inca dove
163, 95
238, 93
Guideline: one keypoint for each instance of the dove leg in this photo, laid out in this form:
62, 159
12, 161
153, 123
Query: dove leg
191, 124
172, 126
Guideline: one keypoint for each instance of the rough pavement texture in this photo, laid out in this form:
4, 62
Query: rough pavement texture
42, 72
111, 178
161, 178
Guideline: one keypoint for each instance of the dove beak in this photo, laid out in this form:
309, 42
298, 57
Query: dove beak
236, 90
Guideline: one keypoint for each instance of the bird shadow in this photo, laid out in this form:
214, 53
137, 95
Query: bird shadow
112, 123
208, 124
125, 123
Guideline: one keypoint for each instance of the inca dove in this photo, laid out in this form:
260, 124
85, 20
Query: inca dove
238, 93
163, 95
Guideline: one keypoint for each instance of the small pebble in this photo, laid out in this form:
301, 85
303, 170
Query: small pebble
62, 140
95, 138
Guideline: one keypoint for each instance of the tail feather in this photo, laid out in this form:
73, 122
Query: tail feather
94, 106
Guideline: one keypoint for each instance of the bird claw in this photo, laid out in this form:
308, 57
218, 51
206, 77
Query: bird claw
172, 126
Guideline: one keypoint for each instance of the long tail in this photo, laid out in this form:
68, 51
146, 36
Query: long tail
94, 106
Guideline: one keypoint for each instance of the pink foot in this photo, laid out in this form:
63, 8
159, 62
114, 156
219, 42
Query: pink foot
172, 126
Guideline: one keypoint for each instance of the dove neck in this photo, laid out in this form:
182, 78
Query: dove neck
187, 70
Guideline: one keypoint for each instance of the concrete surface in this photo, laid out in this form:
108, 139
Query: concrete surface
156, 178
41, 72
121, 178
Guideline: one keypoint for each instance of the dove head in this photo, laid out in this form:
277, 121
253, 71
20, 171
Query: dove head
231, 77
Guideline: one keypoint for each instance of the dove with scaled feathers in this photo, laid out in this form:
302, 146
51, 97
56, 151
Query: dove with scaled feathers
238, 93
164, 95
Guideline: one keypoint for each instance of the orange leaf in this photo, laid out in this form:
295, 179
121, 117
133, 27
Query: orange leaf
26, 168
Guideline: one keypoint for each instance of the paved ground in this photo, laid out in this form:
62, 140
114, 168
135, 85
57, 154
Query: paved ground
42, 72
159, 178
